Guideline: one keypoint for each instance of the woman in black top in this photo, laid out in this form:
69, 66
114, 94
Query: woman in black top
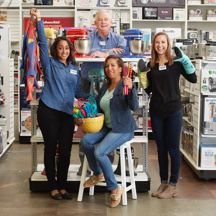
166, 109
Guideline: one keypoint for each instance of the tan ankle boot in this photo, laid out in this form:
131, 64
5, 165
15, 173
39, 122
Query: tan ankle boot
169, 192
161, 188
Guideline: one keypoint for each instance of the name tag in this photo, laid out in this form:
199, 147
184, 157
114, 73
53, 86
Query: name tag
102, 43
72, 71
162, 67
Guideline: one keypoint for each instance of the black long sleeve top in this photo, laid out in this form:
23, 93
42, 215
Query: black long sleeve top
164, 86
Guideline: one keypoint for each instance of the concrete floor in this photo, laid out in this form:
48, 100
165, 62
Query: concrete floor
196, 197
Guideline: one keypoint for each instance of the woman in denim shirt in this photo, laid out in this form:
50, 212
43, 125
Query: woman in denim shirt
55, 107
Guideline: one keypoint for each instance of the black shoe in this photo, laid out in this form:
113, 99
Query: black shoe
57, 196
66, 196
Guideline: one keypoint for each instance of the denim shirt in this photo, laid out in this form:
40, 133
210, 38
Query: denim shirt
113, 40
121, 117
61, 81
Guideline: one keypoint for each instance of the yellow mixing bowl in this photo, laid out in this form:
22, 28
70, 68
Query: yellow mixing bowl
93, 125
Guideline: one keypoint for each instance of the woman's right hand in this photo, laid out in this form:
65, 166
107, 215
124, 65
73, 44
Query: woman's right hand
78, 121
35, 13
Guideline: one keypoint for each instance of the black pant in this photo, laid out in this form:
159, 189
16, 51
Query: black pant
57, 128
167, 131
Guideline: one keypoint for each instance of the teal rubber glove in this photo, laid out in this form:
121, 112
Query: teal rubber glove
142, 73
184, 60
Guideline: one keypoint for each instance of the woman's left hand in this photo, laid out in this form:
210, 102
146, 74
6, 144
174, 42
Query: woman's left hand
128, 82
78, 121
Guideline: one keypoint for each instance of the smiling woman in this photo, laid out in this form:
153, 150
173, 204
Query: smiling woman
162, 76
55, 107
118, 127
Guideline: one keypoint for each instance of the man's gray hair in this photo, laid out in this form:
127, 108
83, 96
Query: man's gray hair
102, 11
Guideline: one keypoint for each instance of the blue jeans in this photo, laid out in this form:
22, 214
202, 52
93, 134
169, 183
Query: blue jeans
97, 146
167, 132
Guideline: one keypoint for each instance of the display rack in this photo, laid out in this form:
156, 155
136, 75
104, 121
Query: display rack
198, 141
7, 86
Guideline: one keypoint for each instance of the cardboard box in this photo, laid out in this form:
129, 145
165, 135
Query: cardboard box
194, 2
137, 13
179, 14
3, 134
209, 1
208, 156
209, 112
165, 13
150, 13
159, 3
195, 14
26, 123
208, 78
43, 2
211, 15
63, 3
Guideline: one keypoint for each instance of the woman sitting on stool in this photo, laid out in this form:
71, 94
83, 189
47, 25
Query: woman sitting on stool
118, 128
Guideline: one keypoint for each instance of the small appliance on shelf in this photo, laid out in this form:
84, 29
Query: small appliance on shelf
79, 38
135, 44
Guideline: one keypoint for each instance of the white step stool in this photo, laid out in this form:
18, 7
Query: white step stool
131, 186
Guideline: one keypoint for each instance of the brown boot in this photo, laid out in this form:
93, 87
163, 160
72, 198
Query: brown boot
161, 188
169, 192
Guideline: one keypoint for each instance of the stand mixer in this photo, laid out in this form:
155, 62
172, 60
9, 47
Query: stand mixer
79, 38
135, 44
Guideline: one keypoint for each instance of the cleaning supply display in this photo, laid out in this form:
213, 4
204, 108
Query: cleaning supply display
184, 59
87, 110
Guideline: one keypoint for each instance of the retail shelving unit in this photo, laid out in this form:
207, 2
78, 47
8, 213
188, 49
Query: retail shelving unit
198, 142
38, 182
120, 12
7, 86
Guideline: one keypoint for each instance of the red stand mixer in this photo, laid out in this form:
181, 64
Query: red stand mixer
79, 38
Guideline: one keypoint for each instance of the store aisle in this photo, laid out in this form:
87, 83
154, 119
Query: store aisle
196, 197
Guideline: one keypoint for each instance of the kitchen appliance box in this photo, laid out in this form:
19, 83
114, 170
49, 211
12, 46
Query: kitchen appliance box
165, 13
150, 13
158, 3
208, 155
3, 129
179, 14
195, 14
208, 78
209, 116
137, 13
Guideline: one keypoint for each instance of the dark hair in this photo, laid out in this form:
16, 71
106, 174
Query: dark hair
119, 62
53, 49
154, 55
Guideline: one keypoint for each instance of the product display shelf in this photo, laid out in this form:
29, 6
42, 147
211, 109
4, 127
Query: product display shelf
38, 182
198, 140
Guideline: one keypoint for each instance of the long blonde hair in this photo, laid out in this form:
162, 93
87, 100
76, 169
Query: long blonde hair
154, 55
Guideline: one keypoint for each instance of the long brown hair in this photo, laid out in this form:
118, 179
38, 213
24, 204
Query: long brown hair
154, 55
119, 61
53, 49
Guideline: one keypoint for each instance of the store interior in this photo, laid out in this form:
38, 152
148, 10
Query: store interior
190, 24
